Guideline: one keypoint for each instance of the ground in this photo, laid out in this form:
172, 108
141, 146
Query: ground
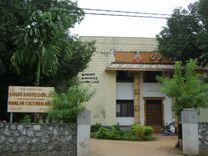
161, 146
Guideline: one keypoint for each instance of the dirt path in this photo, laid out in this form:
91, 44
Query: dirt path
161, 146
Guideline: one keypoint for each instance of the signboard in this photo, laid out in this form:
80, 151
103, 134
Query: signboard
89, 78
29, 99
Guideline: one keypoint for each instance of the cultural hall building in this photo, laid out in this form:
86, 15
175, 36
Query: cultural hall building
123, 71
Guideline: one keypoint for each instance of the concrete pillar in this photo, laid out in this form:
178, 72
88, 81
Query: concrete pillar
136, 98
83, 133
189, 119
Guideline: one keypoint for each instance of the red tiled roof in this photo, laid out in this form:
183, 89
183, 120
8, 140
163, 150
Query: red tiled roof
140, 57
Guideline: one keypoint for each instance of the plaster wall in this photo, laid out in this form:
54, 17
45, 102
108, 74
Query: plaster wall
190, 138
125, 121
103, 105
203, 115
125, 91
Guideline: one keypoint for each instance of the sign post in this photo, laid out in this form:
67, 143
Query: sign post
29, 99
11, 117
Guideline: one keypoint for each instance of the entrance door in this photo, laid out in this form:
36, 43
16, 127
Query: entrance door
154, 114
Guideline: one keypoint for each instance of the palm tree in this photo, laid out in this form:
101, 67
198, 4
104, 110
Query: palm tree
39, 44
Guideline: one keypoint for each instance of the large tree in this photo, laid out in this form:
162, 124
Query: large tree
185, 87
36, 45
185, 35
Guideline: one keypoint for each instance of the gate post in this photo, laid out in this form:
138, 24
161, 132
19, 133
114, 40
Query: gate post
189, 119
83, 133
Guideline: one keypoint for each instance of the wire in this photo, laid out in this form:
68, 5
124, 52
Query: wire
128, 12
112, 13
108, 14
117, 11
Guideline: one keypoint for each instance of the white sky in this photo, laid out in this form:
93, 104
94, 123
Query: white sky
94, 25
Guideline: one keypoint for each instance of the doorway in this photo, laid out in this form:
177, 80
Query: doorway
154, 114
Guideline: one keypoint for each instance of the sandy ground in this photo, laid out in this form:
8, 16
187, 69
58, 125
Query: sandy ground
161, 146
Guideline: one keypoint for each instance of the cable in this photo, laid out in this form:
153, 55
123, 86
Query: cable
117, 11
128, 12
113, 13
107, 14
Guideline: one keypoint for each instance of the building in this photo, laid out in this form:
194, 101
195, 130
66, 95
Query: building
123, 71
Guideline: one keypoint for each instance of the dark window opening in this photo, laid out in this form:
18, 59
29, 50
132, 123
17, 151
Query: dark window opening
123, 76
151, 76
125, 108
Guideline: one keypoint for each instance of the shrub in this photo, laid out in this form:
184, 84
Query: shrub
148, 131
103, 133
142, 131
115, 133
95, 127
137, 132
67, 105
26, 119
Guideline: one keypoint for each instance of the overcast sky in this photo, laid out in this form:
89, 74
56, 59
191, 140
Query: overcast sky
94, 25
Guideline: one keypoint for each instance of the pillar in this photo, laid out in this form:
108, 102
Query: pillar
136, 98
83, 133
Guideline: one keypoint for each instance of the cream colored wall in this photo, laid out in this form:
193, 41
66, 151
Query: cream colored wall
103, 105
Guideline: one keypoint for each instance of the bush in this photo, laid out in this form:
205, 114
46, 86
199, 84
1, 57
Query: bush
103, 133
142, 131
26, 119
67, 105
148, 131
115, 133
137, 132
95, 127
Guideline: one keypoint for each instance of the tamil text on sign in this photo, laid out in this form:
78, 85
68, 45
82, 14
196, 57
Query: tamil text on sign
29, 99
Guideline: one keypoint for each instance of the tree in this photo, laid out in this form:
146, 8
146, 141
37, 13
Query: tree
44, 37
35, 36
38, 44
185, 87
203, 35
67, 105
184, 36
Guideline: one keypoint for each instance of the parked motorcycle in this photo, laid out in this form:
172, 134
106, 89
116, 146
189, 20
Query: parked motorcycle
169, 129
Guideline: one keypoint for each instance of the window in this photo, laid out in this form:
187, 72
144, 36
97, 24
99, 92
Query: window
125, 108
124, 77
151, 76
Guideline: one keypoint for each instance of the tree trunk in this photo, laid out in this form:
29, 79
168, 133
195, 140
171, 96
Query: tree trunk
37, 83
180, 132
37, 78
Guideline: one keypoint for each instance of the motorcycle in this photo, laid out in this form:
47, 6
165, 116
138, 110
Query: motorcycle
169, 129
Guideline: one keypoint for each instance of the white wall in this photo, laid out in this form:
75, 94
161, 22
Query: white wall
124, 91
125, 121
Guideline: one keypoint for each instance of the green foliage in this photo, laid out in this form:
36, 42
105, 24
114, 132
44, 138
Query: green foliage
36, 46
95, 127
185, 35
137, 132
185, 87
26, 119
35, 36
141, 131
103, 133
115, 133
67, 105
44, 36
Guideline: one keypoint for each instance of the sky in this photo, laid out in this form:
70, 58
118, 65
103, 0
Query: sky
96, 25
